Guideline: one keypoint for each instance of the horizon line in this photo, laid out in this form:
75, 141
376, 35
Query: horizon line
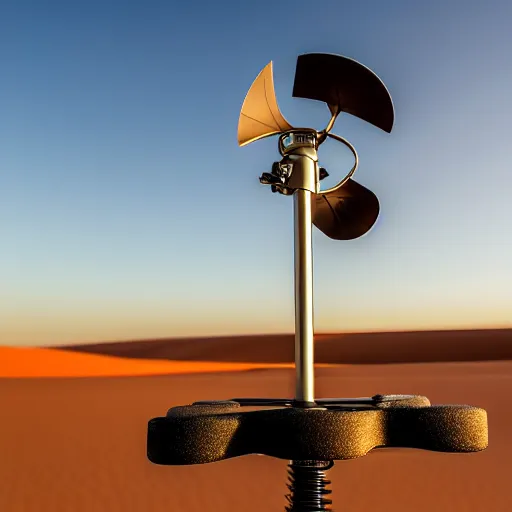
288, 333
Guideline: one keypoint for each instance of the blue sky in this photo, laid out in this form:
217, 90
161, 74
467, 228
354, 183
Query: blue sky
128, 210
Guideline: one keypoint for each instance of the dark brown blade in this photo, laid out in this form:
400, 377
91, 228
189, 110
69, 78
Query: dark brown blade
346, 84
346, 213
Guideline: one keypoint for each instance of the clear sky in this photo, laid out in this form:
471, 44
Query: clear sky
127, 210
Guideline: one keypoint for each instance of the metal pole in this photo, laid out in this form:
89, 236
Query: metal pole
304, 356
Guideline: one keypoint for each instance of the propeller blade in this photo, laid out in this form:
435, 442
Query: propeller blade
345, 213
346, 86
260, 115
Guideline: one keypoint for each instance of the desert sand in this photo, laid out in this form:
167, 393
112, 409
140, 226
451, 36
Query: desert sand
79, 444
39, 362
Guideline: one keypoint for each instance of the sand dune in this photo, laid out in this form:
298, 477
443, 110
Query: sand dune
44, 362
358, 348
80, 444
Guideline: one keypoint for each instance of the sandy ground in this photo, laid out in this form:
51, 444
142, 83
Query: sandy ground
79, 444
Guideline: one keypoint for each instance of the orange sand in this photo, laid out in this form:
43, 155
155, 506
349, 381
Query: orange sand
79, 444
45, 362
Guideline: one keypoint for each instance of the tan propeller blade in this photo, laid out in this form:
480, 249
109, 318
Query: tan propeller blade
260, 115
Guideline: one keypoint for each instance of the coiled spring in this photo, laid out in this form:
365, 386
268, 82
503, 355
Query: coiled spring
308, 486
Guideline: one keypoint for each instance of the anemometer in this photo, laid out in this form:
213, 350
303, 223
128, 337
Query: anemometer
311, 433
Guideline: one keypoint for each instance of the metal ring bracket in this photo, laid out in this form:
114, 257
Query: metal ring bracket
354, 168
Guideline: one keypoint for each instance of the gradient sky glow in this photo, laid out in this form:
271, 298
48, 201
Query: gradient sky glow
128, 211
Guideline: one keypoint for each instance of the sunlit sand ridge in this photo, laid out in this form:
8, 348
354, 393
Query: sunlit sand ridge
45, 362
241, 353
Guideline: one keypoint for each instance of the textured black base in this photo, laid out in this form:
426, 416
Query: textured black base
209, 432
